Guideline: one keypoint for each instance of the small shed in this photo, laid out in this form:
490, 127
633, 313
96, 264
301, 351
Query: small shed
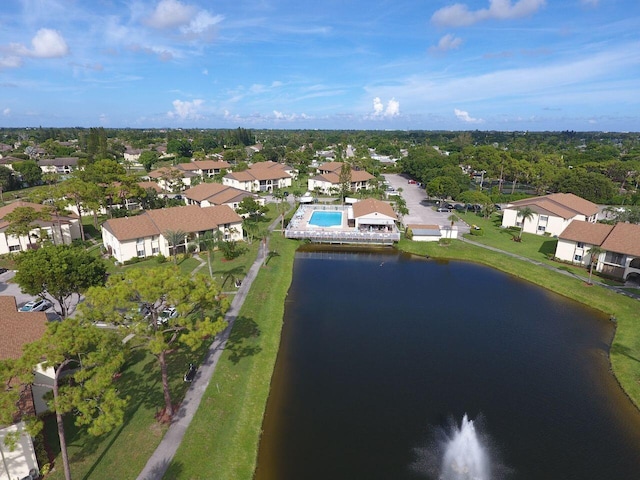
427, 233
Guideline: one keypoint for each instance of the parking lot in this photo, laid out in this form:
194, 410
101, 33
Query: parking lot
9, 288
421, 209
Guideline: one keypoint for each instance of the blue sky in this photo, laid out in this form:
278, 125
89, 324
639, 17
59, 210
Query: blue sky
334, 64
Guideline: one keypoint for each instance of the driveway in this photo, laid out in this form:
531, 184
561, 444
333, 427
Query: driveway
421, 209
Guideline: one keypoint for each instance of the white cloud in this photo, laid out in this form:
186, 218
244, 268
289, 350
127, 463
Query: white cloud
459, 15
378, 107
186, 110
46, 43
171, 14
6, 112
392, 110
205, 72
465, 117
49, 44
446, 43
11, 61
202, 25
193, 23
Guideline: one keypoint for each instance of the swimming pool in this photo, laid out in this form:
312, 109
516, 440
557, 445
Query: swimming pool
326, 219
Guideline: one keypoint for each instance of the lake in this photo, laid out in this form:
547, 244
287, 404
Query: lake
382, 352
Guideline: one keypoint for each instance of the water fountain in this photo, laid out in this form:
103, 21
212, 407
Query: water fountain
465, 457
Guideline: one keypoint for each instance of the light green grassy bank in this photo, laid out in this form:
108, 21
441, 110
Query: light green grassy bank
222, 440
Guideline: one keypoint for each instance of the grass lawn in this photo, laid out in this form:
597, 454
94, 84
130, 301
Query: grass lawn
222, 440
124, 452
536, 247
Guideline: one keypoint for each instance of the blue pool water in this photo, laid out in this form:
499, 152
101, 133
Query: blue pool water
326, 219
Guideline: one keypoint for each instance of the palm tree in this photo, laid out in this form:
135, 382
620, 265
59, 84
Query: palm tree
452, 218
526, 213
594, 253
175, 238
208, 242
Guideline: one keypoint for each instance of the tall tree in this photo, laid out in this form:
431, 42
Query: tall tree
594, 254
83, 195
85, 360
344, 180
21, 222
526, 214
207, 243
60, 273
141, 299
175, 238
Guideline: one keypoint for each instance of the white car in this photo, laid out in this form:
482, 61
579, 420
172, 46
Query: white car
38, 305
166, 314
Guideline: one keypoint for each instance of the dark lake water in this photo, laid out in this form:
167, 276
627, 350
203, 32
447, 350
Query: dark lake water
381, 352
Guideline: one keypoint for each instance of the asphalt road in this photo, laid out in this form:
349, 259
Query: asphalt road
421, 209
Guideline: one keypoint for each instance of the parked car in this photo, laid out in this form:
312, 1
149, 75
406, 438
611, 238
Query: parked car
166, 314
38, 305
3, 270
412, 182
497, 207
443, 209
459, 207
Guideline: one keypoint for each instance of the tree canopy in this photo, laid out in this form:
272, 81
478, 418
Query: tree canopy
162, 307
60, 273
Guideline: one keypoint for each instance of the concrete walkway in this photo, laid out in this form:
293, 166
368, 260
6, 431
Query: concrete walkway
160, 460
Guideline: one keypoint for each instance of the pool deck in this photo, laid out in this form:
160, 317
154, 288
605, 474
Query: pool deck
299, 228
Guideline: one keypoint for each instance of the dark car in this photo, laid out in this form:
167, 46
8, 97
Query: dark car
497, 207
3, 270
459, 207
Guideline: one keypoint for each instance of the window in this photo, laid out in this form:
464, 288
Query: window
14, 248
544, 218
518, 223
577, 258
615, 258
155, 250
541, 228
580, 245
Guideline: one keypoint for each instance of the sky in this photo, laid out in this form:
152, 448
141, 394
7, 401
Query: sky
515, 65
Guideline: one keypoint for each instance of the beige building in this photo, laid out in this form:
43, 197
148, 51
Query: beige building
551, 213
620, 242
328, 179
59, 229
145, 235
261, 177
211, 194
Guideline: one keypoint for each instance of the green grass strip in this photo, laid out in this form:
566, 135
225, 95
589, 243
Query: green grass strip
222, 440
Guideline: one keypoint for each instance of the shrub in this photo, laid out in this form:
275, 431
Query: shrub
160, 258
478, 232
408, 233
132, 261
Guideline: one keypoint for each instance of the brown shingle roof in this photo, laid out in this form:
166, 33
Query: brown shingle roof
36, 206
216, 193
189, 218
330, 167
624, 238
371, 205
18, 328
152, 185
567, 205
586, 232
262, 171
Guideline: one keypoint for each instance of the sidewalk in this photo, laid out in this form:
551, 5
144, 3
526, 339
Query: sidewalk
160, 460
